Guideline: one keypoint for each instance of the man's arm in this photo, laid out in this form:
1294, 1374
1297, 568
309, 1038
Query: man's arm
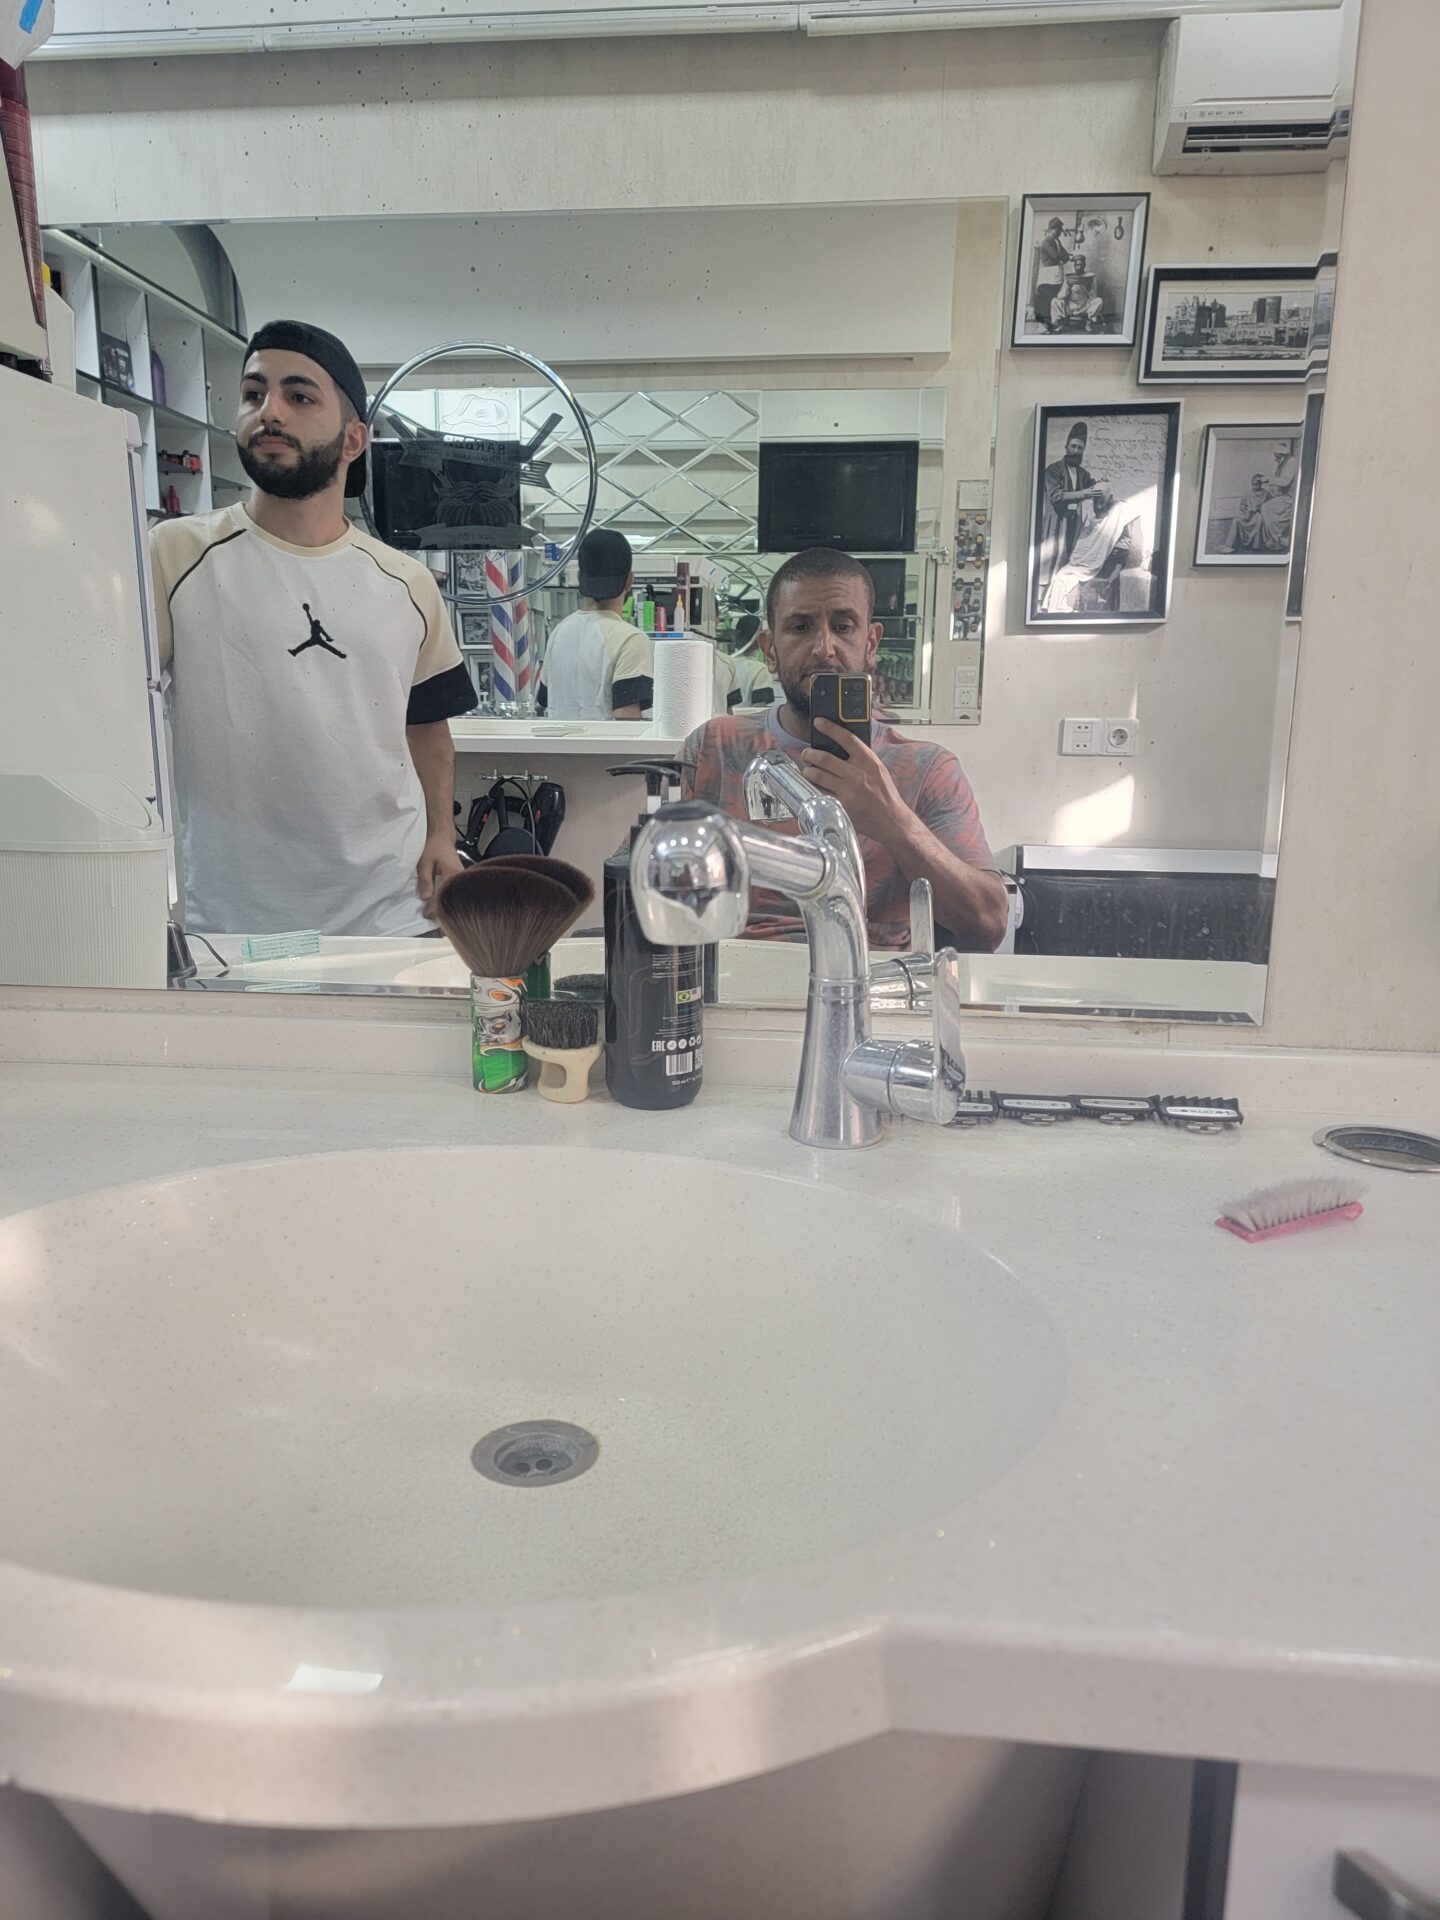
1061, 497
632, 682
433, 752
969, 900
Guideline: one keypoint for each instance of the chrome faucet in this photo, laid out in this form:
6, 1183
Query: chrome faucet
691, 872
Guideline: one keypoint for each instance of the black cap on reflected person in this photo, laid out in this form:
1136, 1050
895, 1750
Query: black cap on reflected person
331, 354
605, 563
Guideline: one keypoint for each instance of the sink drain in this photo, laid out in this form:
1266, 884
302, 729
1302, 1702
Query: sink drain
534, 1453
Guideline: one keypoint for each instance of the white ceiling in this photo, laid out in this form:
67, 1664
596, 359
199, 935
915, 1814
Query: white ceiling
789, 282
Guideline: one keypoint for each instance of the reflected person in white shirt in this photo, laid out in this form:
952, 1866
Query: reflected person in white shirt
597, 665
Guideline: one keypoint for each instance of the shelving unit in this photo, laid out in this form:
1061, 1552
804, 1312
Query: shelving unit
184, 371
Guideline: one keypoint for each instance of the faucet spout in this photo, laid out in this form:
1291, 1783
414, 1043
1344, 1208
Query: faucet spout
692, 869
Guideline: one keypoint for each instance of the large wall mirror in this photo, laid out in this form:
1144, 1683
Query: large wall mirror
1078, 397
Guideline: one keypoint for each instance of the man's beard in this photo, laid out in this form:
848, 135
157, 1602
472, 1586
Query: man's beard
312, 473
797, 694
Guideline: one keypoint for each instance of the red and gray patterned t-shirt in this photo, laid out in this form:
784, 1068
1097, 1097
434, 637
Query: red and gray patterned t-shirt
929, 780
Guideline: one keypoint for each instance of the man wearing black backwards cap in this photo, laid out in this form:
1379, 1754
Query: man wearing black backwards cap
597, 666
313, 675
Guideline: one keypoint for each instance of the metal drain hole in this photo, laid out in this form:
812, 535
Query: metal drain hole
1383, 1147
535, 1453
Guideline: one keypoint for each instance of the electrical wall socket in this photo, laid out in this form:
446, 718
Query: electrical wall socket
1082, 736
1114, 738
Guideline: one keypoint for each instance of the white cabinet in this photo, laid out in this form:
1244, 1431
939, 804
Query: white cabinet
1161, 1839
154, 355
1290, 1823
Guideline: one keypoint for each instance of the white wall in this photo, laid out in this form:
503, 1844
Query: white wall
1356, 956
566, 126
1203, 685
609, 286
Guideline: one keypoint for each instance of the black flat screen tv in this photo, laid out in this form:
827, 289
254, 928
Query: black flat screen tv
858, 495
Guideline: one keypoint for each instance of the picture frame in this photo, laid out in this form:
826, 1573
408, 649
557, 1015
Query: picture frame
1094, 247
467, 571
1239, 326
1249, 477
1304, 503
1104, 494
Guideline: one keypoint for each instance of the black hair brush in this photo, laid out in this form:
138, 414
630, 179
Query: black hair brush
564, 1036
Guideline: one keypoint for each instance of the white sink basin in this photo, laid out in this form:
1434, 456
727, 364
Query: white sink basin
263, 1383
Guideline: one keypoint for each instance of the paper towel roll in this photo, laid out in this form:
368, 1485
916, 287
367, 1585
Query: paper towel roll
684, 686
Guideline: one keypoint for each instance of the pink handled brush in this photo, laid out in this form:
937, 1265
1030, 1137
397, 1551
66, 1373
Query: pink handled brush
1290, 1208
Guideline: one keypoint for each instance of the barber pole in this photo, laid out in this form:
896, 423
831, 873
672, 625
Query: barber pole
512, 677
520, 628
504, 684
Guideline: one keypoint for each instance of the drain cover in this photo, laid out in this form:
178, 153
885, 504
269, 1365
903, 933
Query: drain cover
1383, 1147
534, 1453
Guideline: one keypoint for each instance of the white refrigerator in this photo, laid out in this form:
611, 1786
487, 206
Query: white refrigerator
79, 680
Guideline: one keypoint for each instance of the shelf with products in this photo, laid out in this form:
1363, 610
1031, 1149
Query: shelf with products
150, 352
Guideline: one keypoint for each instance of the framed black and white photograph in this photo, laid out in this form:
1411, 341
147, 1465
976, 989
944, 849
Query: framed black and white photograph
1081, 261
1248, 480
467, 571
1304, 501
1325, 276
1239, 325
1102, 528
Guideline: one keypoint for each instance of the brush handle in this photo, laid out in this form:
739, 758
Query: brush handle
1330, 1215
497, 1054
564, 1071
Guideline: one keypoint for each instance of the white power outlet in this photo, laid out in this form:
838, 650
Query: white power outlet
1082, 736
1114, 738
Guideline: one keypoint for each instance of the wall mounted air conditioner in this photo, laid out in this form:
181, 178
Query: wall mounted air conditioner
1255, 92
898, 16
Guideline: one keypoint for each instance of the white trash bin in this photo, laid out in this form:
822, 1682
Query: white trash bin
84, 883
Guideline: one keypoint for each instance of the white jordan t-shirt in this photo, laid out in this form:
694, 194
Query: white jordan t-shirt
596, 661
294, 673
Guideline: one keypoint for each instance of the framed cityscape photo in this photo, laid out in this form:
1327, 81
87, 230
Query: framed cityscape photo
1081, 260
1248, 479
1102, 524
1239, 325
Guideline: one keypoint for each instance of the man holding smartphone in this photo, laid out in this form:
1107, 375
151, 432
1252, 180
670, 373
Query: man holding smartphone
910, 803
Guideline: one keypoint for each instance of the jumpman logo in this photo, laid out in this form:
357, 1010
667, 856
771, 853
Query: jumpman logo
318, 636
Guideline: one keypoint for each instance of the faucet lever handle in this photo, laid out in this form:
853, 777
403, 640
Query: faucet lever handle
910, 977
922, 919
946, 1034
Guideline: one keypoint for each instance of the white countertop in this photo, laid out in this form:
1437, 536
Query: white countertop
608, 739
1223, 1544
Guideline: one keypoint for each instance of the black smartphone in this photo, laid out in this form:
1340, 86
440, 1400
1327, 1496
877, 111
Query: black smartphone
845, 699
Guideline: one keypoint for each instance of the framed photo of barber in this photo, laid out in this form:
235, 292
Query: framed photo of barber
1248, 481
1103, 506
1081, 262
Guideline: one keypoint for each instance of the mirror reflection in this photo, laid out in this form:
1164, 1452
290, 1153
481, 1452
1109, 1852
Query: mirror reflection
937, 500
